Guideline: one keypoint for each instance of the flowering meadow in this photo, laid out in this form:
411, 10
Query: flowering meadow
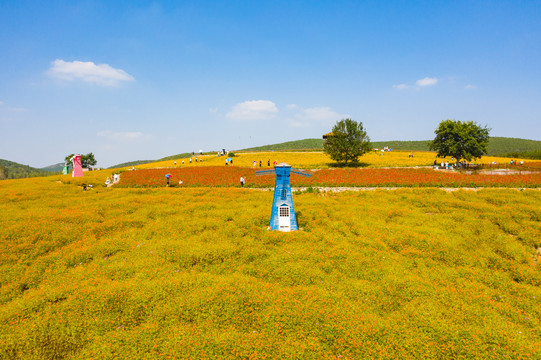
180, 273
314, 160
226, 176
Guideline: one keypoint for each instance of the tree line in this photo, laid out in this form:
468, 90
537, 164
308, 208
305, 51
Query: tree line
13, 170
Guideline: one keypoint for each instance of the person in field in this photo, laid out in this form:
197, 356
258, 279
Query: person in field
242, 181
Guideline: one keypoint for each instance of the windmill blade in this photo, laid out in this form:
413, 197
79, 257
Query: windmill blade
265, 172
301, 172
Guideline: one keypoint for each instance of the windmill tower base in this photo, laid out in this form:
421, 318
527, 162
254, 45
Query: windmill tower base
283, 216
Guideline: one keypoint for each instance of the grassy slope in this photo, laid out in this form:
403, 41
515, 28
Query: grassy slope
193, 273
142, 162
131, 163
309, 160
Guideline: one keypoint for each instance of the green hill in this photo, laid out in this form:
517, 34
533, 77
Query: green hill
54, 168
505, 146
496, 145
17, 171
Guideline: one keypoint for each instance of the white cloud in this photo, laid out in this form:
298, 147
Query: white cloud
253, 110
1, 103
401, 86
121, 136
102, 74
213, 110
469, 87
427, 81
292, 106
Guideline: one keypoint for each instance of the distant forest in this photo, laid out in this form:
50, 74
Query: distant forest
13, 170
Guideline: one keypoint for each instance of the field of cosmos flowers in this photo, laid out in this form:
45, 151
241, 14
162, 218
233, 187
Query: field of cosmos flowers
144, 271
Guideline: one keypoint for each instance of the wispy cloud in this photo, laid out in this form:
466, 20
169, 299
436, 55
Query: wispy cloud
102, 74
12, 108
427, 81
253, 110
470, 87
125, 136
401, 86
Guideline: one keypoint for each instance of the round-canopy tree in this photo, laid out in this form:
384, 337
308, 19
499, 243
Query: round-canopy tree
461, 140
347, 142
87, 160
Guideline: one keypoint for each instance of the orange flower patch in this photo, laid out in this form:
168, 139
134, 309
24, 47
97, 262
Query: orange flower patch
397, 177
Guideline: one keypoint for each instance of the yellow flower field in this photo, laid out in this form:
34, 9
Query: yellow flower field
179, 273
314, 160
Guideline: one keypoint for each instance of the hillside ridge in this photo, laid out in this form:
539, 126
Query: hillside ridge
496, 146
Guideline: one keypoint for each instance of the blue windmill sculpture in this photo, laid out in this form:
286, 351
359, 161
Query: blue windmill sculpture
283, 212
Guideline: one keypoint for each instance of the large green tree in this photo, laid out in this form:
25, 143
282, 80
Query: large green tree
3, 172
86, 160
462, 140
347, 142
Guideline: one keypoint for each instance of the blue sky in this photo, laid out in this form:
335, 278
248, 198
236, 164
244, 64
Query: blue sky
130, 80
